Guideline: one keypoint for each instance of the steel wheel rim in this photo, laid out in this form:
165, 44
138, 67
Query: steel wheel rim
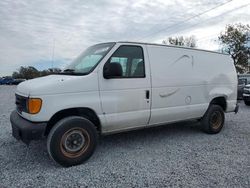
216, 120
74, 142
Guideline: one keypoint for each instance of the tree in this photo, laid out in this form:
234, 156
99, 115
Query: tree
15, 75
181, 41
236, 42
31, 72
28, 72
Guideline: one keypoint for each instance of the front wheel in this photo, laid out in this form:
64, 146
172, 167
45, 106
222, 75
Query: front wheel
72, 141
213, 120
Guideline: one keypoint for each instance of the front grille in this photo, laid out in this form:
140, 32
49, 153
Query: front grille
21, 103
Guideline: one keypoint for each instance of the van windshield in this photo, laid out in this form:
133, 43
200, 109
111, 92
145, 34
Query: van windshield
88, 60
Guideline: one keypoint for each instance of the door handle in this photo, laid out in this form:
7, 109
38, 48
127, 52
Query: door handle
147, 94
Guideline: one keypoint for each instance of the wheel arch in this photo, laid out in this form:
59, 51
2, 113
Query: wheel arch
83, 112
221, 101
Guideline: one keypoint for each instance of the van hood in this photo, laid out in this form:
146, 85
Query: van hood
58, 84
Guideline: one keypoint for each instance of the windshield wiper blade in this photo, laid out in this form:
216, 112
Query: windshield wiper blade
69, 70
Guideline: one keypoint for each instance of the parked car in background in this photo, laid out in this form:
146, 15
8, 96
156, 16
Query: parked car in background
1, 81
17, 81
244, 76
10, 81
6, 81
242, 82
246, 94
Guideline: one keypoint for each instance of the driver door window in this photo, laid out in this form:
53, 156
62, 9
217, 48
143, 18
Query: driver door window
131, 61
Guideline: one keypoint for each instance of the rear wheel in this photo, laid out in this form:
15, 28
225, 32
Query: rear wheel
213, 120
72, 141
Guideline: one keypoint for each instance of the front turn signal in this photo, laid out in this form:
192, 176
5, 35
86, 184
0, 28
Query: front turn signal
34, 105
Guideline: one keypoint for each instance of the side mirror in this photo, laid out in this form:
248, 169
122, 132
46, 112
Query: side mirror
112, 70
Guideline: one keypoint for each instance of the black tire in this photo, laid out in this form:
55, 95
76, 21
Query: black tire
72, 141
247, 103
213, 120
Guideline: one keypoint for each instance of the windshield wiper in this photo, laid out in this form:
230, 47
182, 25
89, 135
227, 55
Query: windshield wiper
69, 70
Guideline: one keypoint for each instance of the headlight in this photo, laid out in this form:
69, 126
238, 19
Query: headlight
34, 105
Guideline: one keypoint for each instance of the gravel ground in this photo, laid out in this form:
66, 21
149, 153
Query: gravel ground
176, 155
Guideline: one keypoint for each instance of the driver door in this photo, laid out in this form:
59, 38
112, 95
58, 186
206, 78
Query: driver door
126, 98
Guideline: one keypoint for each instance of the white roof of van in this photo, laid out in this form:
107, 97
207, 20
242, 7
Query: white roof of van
132, 42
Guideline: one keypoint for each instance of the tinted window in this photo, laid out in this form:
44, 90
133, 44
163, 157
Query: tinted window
131, 60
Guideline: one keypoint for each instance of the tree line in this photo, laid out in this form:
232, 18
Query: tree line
30, 72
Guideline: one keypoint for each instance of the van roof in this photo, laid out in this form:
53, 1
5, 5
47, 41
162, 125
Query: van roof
173, 46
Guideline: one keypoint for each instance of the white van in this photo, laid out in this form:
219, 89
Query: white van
120, 86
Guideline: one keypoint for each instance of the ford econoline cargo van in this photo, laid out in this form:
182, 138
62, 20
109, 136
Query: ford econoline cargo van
121, 86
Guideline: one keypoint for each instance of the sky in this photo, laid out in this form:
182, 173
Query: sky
51, 33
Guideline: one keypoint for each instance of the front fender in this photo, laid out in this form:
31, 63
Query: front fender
55, 103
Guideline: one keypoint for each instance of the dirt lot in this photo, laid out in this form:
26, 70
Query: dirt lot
176, 155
